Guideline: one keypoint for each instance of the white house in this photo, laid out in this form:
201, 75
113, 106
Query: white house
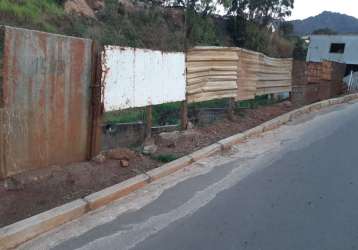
337, 48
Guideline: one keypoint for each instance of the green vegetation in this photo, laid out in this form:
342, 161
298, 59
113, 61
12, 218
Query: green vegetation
255, 103
151, 25
164, 114
150, 28
169, 113
31, 10
219, 103
125, 116
164, 158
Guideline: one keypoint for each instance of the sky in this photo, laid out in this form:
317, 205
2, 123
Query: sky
307, 8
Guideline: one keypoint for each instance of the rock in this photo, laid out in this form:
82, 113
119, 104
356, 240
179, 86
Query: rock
121, 154
79, 7
287, 104
171, 136
149, 146
127, 6
150, 149
99, 159
96, 5
11, 184
190, 125
124, 163
171, 144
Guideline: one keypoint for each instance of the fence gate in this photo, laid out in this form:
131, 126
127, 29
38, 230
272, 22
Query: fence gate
46, 92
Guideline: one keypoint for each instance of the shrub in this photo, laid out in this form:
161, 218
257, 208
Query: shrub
32, 10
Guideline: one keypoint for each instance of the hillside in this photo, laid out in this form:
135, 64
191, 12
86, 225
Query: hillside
335, 21
141, 24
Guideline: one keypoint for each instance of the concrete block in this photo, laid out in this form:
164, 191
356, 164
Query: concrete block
254, 131
232, 141
206, 152
315, 106
275, 123
335, 101
348, 98
325, 104
110, 194
170, 168
22, 231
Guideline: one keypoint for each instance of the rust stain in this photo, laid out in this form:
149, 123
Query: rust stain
47, 93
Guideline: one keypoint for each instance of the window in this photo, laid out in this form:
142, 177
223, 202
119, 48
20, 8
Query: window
337, 48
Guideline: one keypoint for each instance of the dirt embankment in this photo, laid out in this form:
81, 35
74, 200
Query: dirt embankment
43, 189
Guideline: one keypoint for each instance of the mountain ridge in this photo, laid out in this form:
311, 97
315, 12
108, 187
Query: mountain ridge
340, 23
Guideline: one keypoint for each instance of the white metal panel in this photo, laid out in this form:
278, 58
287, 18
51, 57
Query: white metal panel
319, 48
140, 77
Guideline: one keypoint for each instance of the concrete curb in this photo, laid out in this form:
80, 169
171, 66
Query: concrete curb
206, 152
22, 231
107, 195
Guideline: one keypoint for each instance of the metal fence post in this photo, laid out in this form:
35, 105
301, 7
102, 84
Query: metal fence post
96, 103
184, 115
231, 108
149, 121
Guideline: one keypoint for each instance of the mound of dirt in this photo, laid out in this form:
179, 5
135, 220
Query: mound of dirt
84, 7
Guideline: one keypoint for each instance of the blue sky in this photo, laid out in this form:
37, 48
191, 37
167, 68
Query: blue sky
307, 8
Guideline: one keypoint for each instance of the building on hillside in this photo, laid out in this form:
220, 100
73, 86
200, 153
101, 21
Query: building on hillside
336, 48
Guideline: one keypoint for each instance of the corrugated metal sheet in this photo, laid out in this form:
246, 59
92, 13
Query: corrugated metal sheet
219, 72
211, 73
46, 87
139, 77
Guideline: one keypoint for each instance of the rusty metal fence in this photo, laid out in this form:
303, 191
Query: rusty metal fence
46, 111
54, 89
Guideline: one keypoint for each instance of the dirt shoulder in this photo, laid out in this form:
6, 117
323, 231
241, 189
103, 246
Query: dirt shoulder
43, 189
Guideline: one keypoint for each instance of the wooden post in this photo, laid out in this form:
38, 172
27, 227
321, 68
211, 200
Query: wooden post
149, 122
184, 115
231, 108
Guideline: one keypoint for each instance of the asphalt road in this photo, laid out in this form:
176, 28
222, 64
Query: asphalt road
293, 188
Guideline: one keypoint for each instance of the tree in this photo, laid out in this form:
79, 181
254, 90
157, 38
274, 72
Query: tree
266, 11
203, 7
300, 50
263, 12
285, 29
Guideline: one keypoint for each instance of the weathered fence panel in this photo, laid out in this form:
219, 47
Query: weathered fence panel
211, 73
46, 94
275, 75
140, 77
219, 72
249, 67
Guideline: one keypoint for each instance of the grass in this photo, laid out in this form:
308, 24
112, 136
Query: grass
165, 158
258, 101
164, 114
219, 103
169, 113
126, 116
32, 11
